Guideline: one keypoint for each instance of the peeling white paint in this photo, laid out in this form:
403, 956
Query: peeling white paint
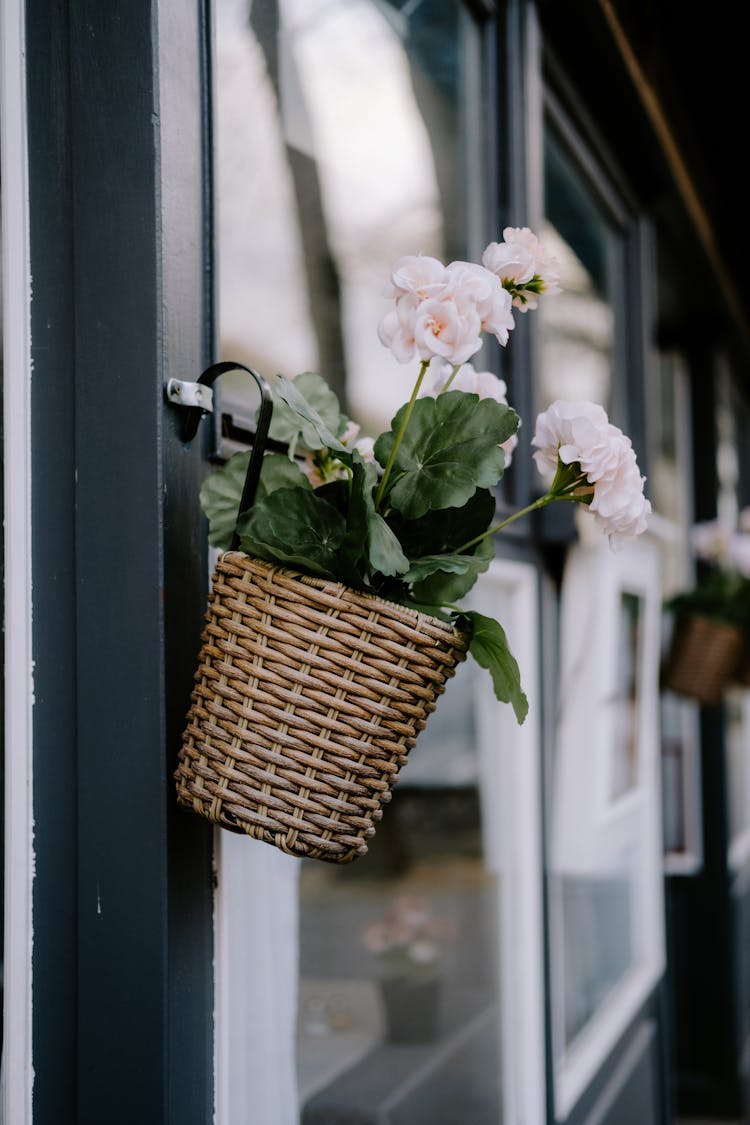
17, 1068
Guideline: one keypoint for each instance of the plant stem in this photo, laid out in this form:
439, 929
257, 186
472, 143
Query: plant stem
450, 379
540, 503
402, 430
562, 488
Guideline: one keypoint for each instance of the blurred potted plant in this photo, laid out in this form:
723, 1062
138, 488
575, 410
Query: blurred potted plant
708, 646
409, 943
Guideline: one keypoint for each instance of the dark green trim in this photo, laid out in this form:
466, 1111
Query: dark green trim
123, 889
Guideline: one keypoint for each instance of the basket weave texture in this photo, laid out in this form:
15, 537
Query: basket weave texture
308, 697
703, 657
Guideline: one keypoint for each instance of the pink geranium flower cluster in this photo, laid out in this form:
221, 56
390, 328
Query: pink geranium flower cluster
442, 311
720, 543
599, 465
408, 939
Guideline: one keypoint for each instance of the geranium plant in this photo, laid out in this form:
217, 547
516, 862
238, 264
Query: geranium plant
722, 592
410, 515
408, 940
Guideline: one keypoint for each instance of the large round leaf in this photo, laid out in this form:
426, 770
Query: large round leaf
450, 448
296, 528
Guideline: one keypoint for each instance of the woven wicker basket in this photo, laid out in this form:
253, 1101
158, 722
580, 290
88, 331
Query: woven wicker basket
308, 697
702, 659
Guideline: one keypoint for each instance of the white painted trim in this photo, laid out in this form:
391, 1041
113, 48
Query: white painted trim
594, 579
256, 967
17, 1071
511, 787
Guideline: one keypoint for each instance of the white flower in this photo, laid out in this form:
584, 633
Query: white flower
562, 429
365, 446
376, 937
418, 275
485, 384
579, 433
445, 328
443, 310
711, 540
738, 555
311, 469
396, 329
523, 265
366, 449
470, 282
423, 952
431, 327
351, 433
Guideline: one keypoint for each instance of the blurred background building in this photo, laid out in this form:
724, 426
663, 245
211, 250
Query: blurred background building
233, 180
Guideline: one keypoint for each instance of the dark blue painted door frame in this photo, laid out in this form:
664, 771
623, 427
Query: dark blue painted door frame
122, 954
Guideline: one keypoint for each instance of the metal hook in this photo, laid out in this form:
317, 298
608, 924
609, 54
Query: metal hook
176, 392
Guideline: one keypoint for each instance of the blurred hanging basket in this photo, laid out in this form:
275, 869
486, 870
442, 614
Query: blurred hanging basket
702, 659
307, 698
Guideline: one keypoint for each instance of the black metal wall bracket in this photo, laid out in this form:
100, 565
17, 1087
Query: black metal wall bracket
197, 399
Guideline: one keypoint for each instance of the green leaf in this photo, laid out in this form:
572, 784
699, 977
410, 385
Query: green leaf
277, 471
337, 494
451, 447
369, 539
489, 647
306, 412
370, 545
386, 555
449, 564
353, 565
294, 527
448, 585
441, 533
221, 491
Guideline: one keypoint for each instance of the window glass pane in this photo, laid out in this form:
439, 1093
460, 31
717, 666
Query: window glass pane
579, 328
343, 142
399, 952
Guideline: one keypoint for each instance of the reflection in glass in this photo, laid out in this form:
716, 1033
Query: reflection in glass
597, 922
668, 428
337, 151
628, 693
399, 954
673, 790
578, 328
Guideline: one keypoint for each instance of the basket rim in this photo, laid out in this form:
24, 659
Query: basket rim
335, 588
